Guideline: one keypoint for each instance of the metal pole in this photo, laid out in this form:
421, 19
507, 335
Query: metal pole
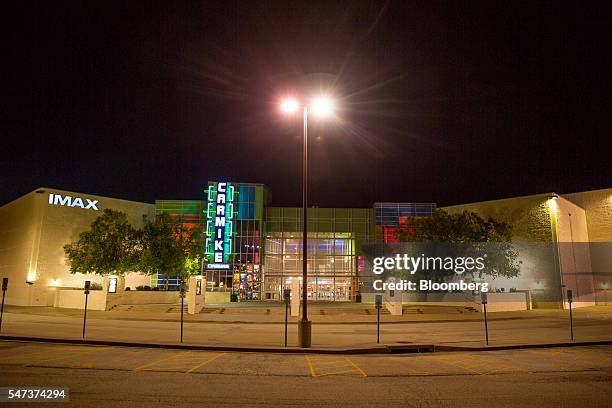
286, 311
85, 312
304, 328
305, 220
378, 325
182, 300
486, 326
571, 321
2, 308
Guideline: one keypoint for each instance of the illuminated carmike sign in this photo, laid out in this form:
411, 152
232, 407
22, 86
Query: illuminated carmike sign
68, 201
219, 224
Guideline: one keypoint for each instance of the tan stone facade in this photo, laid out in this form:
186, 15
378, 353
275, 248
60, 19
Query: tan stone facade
33, 230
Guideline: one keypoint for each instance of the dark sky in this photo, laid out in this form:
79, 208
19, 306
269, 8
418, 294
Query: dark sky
446, 102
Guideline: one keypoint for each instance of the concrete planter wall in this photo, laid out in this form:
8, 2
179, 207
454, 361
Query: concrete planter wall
75, 299
138, 297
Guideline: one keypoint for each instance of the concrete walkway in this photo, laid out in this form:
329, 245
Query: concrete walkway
505, 329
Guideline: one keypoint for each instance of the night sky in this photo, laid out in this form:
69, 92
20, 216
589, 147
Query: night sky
446, 102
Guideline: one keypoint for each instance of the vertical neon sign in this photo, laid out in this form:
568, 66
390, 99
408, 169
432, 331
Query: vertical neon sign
219, 223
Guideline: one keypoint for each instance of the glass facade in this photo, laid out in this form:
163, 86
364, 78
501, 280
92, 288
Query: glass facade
334, 235
263, 252
244, 249
389, 217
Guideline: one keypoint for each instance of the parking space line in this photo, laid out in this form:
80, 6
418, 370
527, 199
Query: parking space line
412, 371
356, 366
320, 367
451, 363
332, 367
330, 363
312, 371
204, 363
499, 364
336, 372
152, 363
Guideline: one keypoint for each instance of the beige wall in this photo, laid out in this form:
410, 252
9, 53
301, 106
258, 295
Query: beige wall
529, 216
533, 229
20, 222
75, 299
33, 233
598, 209
571, 223
574, 250
142, 297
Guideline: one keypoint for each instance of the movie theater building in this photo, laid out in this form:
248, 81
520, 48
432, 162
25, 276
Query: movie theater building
33, 230
260, 252
254, 249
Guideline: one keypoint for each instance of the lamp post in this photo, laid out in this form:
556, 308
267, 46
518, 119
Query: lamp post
321, 106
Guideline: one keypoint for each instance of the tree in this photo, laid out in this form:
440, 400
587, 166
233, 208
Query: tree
110, 247
170, 248
469, 233
443, 226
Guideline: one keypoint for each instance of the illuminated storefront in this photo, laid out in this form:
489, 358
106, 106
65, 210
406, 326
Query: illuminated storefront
253, 250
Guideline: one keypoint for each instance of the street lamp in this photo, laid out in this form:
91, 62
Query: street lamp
321, 106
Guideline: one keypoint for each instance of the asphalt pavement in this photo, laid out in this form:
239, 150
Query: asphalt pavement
100, 376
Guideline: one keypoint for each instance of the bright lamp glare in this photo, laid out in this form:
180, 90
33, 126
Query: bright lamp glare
289, 105
322, 106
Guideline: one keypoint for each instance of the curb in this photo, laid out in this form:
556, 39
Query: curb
385, 349
417, 348
523, 346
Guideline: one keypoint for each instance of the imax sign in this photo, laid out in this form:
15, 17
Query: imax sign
68, 201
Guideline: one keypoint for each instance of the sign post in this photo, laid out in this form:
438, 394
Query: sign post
570, 299
87, 286
287, 299
4, 288
484, 305
182, 288
378, 300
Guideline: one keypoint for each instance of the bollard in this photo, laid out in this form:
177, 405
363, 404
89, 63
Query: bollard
570, 299
182, 288
378, 301
4, 288
87, 286
484, 305
287, 299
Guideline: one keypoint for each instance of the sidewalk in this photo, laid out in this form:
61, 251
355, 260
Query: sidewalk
276, 314
505, 329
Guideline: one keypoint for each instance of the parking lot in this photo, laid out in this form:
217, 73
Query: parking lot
193, 362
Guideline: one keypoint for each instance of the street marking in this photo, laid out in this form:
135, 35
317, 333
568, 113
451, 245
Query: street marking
466, 363
142, 367
320, 367
442, 360
415, 372
356, 366
312, 371
204, 363
336, 372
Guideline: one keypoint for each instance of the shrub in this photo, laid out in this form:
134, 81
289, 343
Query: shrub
95, 286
